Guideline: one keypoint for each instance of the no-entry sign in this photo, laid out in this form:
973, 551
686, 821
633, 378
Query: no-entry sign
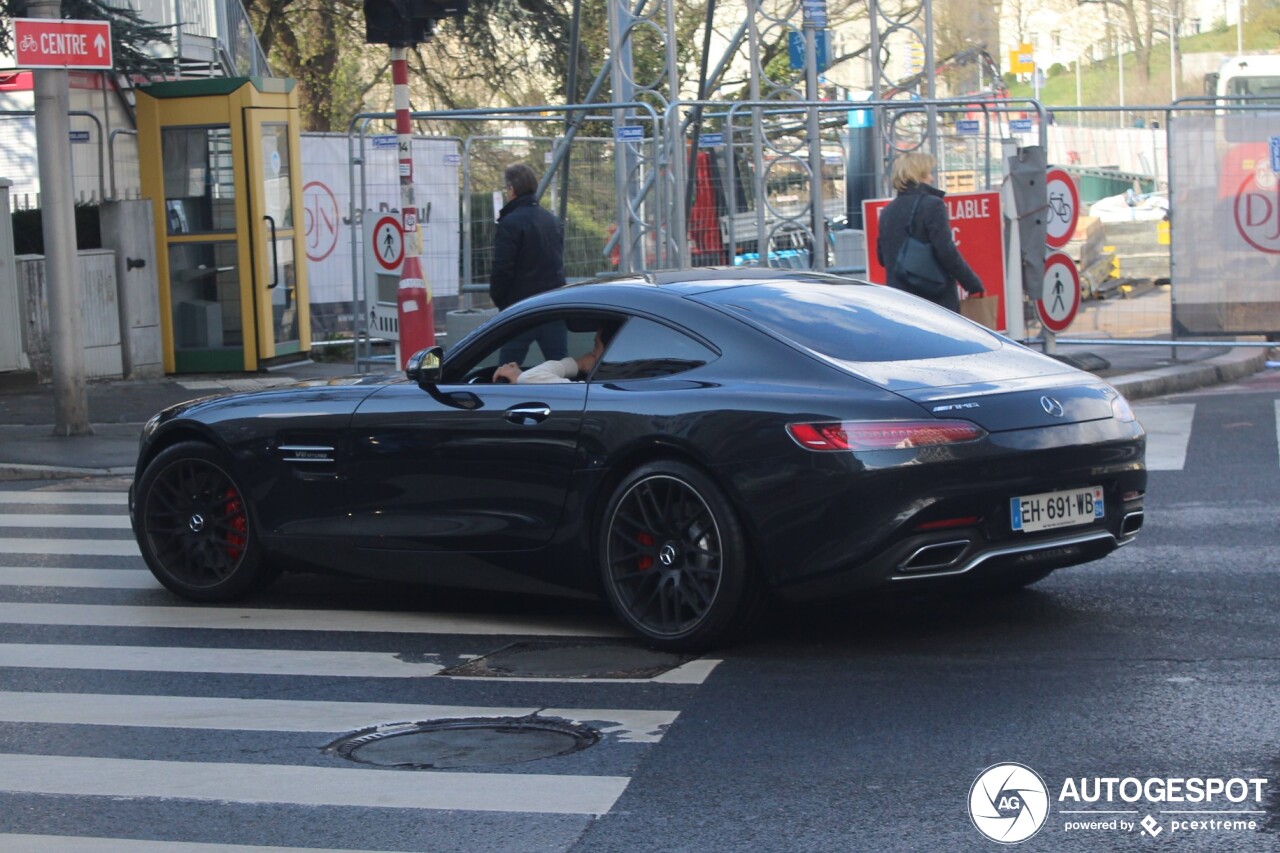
57, 43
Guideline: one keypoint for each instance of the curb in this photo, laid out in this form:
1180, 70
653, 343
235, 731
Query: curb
1235, 364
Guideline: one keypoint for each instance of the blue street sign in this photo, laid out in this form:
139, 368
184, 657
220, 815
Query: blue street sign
814, 13
1275, 154
385, 141
79, 135
795, 48
1020, 125
711, 140
968, 127
630, 133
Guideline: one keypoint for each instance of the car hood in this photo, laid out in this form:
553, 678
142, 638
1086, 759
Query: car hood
354, 388
1008, 388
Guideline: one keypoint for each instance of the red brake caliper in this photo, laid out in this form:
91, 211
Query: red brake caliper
645, 561
237, 522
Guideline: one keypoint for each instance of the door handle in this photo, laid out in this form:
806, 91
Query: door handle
529, 415
275, 259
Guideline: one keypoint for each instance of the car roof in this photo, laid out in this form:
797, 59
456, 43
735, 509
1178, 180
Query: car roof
701, 279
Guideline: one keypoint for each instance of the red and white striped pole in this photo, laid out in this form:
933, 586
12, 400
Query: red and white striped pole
413, 300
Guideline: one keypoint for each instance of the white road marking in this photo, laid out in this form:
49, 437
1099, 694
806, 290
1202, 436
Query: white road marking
287, 715
1168, 429
9, 496
15, 843
310, 786
279, 715
91, 522
78, 578
239, 661
72, 547
240, 618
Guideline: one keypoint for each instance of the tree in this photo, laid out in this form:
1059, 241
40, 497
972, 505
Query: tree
1137, 21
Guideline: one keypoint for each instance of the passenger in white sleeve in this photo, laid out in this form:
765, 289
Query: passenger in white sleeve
559, 370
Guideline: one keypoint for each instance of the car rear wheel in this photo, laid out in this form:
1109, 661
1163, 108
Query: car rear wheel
673, 557
195, 526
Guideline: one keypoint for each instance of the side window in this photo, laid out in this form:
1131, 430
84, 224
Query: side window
528, 346
643, 349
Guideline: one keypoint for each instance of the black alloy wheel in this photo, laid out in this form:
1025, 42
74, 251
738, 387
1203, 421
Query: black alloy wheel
196, 528
673, 557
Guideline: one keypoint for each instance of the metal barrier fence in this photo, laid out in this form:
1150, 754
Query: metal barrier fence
18, 157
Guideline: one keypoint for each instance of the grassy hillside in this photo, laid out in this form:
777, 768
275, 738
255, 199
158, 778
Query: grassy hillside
1099, 82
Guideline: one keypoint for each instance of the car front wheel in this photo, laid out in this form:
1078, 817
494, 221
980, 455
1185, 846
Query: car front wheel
673, 557
195, 526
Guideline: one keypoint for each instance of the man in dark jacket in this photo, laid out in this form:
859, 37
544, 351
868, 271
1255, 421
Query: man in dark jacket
528, 258
912, 175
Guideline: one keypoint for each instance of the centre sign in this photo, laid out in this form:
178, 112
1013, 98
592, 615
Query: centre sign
58, 43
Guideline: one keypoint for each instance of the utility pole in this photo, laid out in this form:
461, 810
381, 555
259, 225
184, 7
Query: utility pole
61, 265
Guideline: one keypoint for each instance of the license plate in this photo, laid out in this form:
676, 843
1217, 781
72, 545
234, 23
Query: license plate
1048, 510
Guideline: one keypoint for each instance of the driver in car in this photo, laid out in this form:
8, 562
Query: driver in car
557, 370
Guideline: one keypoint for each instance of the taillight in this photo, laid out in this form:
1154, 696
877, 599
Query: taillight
882, 435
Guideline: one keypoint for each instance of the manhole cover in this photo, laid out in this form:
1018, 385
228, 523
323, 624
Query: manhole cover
572, 659
469, 742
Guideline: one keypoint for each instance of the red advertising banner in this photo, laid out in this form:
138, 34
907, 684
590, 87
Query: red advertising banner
58, 43
977, 229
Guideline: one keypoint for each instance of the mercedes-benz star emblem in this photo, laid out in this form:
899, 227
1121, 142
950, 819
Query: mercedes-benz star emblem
1051, 406
667, 556
196, 523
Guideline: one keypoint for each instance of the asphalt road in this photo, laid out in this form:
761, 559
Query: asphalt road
852, 727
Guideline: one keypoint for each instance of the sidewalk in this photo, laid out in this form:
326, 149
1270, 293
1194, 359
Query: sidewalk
118, 409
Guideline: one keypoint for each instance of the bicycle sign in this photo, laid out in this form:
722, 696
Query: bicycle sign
1064, 208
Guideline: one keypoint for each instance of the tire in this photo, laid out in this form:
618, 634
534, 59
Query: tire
672, 558
195, 526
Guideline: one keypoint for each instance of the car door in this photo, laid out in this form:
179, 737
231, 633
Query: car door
466, 465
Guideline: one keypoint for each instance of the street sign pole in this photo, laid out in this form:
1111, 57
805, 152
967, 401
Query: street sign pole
413, 300
61, 266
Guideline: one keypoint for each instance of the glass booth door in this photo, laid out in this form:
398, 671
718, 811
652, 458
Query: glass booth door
273, 237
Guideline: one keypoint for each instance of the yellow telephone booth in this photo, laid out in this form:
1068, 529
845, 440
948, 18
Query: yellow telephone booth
220, 160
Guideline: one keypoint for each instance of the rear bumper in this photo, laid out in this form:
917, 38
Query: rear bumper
942, 557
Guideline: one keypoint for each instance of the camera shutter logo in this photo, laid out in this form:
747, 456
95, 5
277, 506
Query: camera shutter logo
1008, 802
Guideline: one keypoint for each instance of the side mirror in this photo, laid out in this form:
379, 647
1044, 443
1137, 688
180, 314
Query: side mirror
423, 366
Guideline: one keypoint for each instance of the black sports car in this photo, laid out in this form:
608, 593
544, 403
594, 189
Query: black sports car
745, 433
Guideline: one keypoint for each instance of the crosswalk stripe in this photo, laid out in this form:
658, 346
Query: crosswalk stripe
1168, 433
9, 496
72, 547
238, 661
87, 522
242, 618
78, 578
15, 843
310, 786
283, 662
295, 715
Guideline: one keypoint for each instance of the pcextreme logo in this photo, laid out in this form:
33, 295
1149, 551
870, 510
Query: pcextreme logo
1009, 803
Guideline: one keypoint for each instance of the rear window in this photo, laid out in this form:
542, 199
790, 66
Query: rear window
854, 322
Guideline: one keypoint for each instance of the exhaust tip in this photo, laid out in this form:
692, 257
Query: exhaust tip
935, 557
1131, 523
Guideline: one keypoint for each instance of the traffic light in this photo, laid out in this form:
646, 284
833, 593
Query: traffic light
405, 23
